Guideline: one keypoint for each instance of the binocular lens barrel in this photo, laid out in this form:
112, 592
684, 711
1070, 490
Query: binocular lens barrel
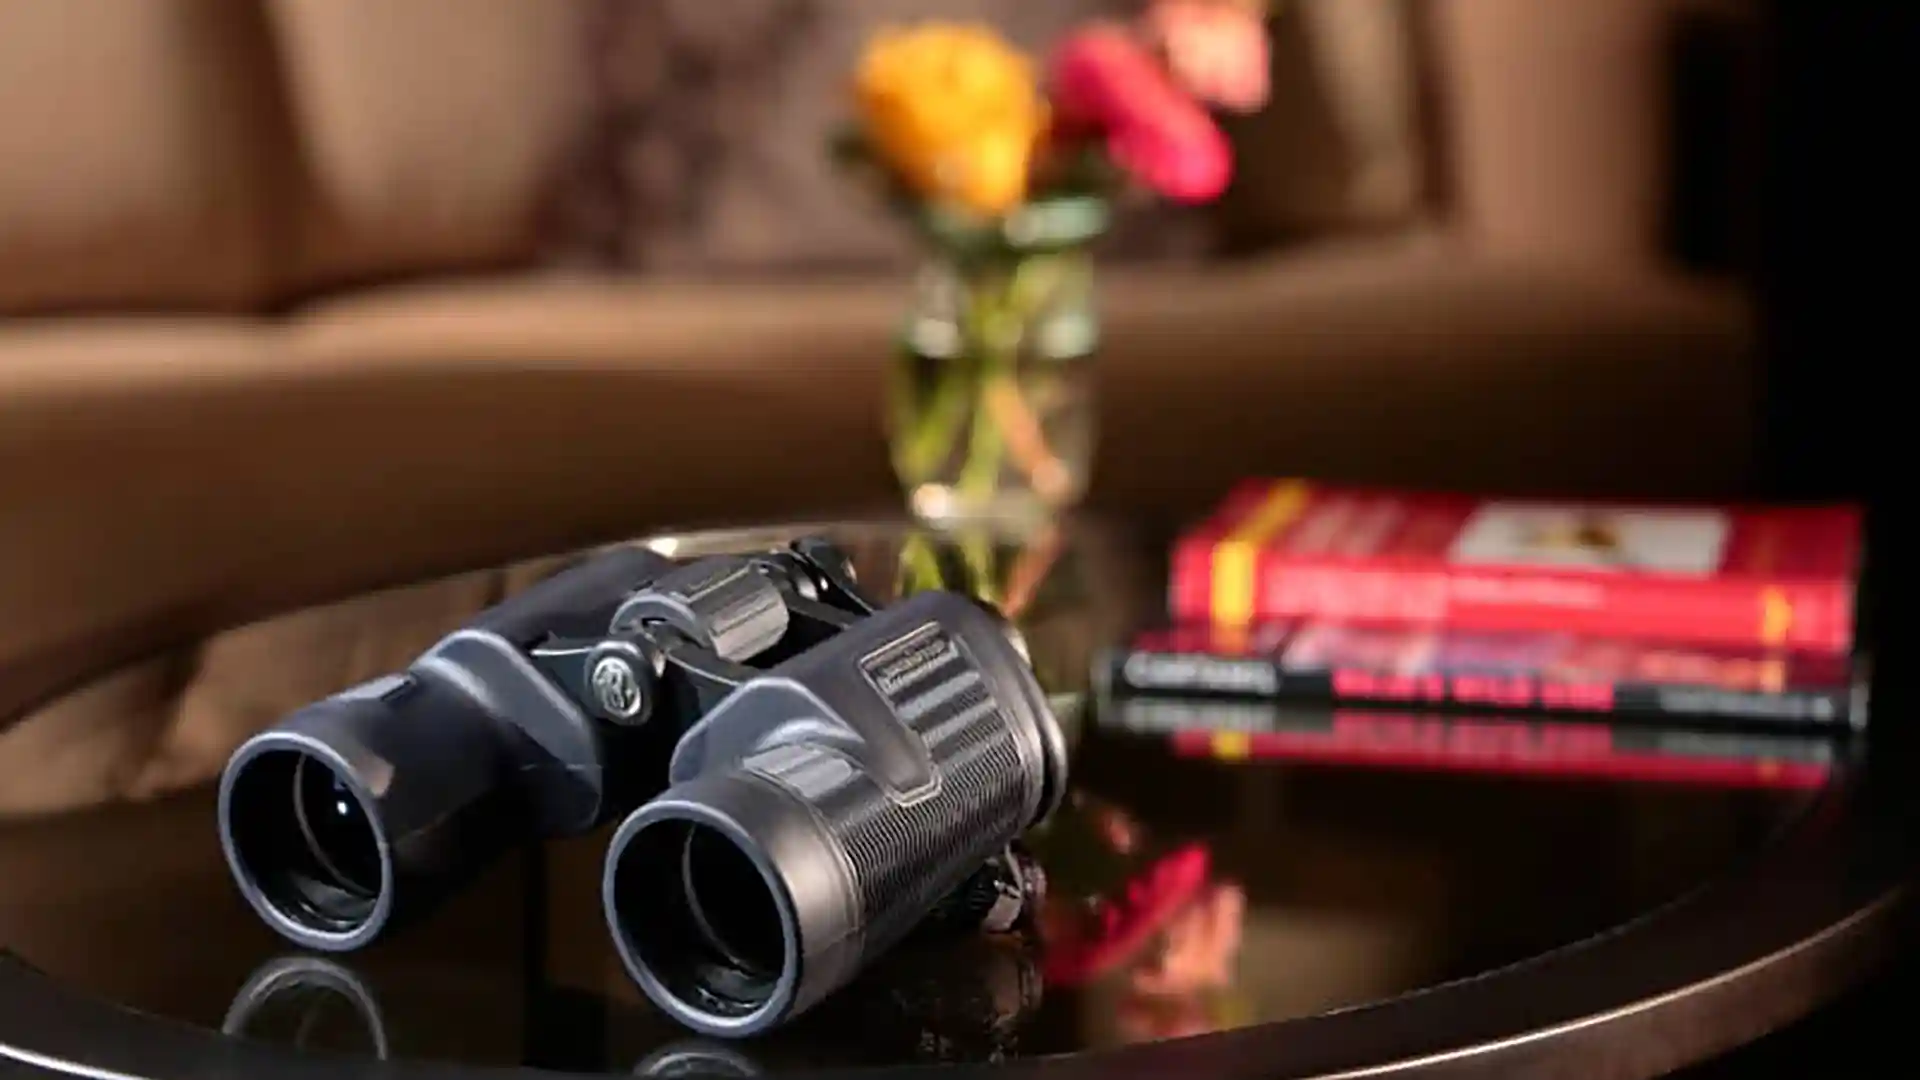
328, 865
371, 804
360, 808
766, 879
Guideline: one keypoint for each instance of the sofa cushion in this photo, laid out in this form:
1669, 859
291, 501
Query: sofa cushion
91, 746
1343, 144
145, 155
1559, 115
432, 129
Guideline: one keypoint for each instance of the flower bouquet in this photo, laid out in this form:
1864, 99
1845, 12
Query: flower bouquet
1007, 169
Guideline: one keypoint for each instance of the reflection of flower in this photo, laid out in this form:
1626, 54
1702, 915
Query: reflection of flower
1107, 932
1141, 1019
1152, 924
1217, 49
1105, 80
1197, 949
954, 111
1116, 827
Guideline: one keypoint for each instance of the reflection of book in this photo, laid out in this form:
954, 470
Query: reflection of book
1742, 576
1332, 662
1246, 730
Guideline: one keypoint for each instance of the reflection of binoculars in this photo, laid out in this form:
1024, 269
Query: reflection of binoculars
697, 1061
961, 1001
837, 769
295, 991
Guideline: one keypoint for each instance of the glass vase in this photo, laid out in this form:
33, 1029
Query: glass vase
990, 403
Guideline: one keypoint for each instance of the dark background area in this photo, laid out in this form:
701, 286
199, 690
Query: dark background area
1837, 282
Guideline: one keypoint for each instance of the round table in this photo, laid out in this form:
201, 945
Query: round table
1209, 915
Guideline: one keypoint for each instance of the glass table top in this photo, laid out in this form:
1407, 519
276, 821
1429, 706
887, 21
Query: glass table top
1198, 879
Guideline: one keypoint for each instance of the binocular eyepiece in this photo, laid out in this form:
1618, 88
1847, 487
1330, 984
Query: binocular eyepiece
804, 776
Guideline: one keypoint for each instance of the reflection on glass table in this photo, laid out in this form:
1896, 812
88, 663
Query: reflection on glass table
1642, 751
310, 1003
1198, 879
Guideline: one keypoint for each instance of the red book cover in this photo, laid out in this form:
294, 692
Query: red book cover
1774, 577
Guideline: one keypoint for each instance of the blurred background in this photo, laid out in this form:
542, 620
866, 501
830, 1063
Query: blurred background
311, 294
302, 298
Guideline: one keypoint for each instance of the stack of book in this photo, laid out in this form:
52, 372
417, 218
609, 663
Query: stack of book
1723, 621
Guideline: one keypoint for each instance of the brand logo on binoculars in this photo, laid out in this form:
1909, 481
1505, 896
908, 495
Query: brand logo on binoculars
899, 665
616, 687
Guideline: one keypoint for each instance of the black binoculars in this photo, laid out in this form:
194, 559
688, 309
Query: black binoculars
805, 776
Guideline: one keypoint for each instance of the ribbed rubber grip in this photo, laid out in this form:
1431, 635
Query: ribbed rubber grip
906, 856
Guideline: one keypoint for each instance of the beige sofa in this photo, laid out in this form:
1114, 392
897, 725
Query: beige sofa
277, 326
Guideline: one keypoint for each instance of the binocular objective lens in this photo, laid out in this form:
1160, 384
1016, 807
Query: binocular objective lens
303, 841
729, 903
712, 934
336, 830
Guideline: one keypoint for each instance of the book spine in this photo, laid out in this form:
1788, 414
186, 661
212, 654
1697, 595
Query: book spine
1255, 678
1210, 583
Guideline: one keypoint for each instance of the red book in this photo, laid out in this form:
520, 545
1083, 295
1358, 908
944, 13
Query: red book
1780, 577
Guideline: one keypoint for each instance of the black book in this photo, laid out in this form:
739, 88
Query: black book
1497, 672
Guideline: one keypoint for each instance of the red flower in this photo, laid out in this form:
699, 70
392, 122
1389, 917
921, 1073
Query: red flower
1217, 49
1106, 81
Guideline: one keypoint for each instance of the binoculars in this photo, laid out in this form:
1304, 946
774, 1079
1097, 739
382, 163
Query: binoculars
802, 777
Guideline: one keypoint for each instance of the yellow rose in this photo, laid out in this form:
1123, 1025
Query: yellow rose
954, 110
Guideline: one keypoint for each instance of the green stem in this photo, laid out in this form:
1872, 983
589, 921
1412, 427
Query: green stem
976, 551
1003, 309
993, 343
961, 422
919, 567
930, 441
